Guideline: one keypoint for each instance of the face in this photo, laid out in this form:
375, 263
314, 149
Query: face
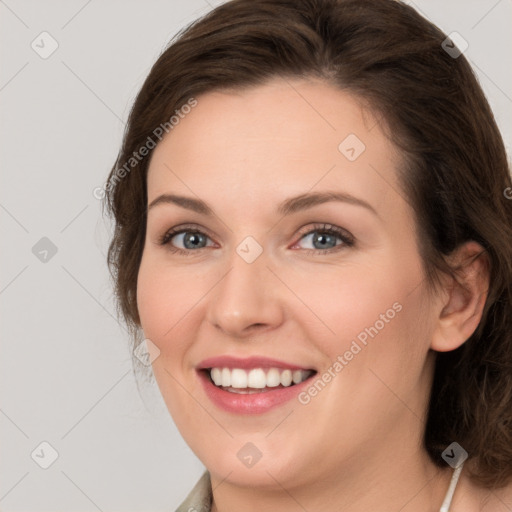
282, 284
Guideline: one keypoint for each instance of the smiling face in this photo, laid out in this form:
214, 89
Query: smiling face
266, 287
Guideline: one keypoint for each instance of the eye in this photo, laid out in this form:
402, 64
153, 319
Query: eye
185, 240
326, 238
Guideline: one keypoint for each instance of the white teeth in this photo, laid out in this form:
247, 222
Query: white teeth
226, 377
217, 376
273, 378
286, 378
238, 378
257, 378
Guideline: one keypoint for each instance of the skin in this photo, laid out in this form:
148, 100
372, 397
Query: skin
356, 446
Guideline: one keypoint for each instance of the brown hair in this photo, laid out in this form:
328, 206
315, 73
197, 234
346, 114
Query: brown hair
455, 171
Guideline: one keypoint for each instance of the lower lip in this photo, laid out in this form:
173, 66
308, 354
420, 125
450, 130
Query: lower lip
255, 403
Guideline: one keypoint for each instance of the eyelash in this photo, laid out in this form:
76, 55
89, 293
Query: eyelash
329, 229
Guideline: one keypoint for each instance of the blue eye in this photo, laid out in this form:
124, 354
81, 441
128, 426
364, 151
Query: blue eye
189, 238
324, 237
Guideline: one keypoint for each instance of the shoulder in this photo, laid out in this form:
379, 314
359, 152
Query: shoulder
200, 497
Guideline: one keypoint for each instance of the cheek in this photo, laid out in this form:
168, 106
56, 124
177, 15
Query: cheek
172, 304
378, 349
375, 317
352, 301
161, 302
336, 304
151, 301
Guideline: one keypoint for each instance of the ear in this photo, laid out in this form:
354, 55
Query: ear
463, 299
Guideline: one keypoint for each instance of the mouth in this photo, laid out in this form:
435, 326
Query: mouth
256, 380
252, 386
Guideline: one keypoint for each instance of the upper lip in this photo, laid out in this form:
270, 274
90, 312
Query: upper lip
248, 363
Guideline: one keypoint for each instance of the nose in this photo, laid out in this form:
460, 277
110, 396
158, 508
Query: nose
247, 300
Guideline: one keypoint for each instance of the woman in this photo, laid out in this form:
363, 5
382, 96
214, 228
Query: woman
314, 239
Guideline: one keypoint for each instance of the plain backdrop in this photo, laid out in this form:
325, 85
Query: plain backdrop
65, 374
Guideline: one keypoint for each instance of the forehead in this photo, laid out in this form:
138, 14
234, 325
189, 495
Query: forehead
279, 139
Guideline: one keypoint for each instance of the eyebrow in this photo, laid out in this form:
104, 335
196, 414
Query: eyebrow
287, 207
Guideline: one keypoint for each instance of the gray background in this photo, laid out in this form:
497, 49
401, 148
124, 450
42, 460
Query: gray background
65, 367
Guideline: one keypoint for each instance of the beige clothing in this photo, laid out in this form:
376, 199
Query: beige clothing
200, 497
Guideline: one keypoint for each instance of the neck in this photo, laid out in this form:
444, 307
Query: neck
416, 485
